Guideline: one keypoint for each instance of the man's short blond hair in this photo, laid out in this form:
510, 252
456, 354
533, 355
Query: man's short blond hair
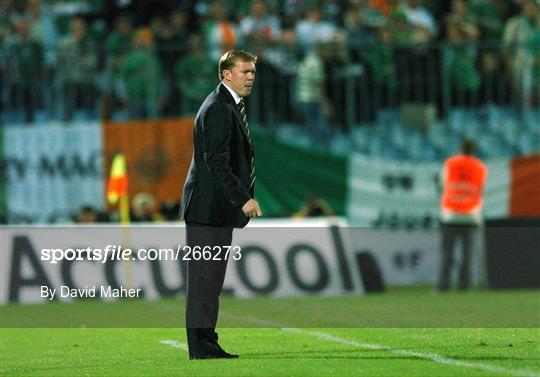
229, 59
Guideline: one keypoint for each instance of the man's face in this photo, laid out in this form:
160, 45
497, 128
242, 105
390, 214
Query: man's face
123, 26
22, 28
257, 8
240, 78
529, 9
78, 26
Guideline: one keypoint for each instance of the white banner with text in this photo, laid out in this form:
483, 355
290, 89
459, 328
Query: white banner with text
52, 171
277, 258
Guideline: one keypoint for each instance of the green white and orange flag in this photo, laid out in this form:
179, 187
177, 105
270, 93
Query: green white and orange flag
118, 186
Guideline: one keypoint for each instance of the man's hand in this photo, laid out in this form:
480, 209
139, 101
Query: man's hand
252, 209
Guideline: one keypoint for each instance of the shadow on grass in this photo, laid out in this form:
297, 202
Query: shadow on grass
493, 358
366, 355
326, 354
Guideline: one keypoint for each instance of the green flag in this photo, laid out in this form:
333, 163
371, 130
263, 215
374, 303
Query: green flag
287, 175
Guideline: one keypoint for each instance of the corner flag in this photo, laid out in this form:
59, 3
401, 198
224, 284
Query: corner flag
117, 187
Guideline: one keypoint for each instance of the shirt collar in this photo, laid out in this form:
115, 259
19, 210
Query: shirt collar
236, 97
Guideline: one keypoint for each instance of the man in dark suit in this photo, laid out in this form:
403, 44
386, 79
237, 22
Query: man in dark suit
218, 196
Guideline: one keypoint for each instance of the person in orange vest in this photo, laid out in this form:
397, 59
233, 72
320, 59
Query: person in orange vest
463, 177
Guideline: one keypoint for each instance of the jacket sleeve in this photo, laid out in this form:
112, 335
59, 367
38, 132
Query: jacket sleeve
216, 132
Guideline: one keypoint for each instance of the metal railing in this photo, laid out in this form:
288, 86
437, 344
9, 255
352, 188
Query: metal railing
361, 83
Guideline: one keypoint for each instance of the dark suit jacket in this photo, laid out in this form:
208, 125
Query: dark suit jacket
217, 184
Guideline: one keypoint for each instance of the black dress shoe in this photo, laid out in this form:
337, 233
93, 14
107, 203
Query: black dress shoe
226, 355
217, 355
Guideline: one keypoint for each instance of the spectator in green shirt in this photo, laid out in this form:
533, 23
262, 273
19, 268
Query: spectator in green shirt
460, 53
24, 68
118, 45
381, 59
519, 31
141, 77
311, 97
194, 76
77, 69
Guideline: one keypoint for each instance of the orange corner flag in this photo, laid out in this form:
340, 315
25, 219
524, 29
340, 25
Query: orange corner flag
118, 180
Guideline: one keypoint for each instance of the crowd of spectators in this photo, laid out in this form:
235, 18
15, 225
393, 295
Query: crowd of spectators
149, 59
143, 208
321, 61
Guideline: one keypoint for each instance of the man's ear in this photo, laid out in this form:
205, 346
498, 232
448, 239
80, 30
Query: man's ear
227, 74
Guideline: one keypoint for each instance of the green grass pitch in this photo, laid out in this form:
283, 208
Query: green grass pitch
404, 332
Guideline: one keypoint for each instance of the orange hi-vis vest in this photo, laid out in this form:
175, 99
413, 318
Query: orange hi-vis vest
464, 179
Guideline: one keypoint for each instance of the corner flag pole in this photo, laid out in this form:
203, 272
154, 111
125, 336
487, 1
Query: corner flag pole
118, 187
117, 190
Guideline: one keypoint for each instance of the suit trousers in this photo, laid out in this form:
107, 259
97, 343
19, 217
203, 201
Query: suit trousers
451, 235
204, 284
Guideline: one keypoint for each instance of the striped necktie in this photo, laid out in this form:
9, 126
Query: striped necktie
242, 109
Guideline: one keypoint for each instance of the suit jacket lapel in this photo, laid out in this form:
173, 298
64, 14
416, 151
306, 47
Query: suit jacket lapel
230, 101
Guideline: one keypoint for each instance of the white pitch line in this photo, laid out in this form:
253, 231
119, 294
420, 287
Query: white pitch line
371, 346
421, 355
175, 344
251, 319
